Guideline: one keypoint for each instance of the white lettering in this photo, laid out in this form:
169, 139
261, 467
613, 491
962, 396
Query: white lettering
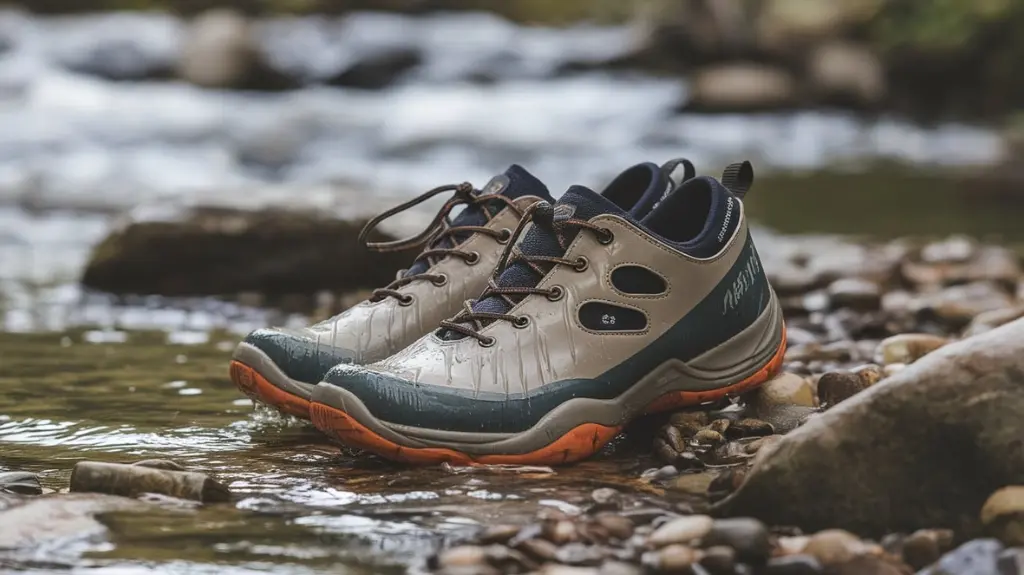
742, 284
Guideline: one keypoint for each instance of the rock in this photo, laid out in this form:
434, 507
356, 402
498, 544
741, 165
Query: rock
787, 24
619, 568
786, 389
681, 530
957, 306
748, 537
855, 293
540, 549
606, 498
580, 554
793, 565
869, 565
498, 533
719, 560
749, 427
688, 422
957, 408
978, 557
960, 260
989, 320
134, 480
462, 556
834, 546
618, 526
224, 251
708, 437
554, 569
692, 483
1011, 561
51, 519
560, 532
924, 547
908, 347
845, 73
740, 87
20, 482
1003, 515
671, 559
837, 386
378, 71
220, 51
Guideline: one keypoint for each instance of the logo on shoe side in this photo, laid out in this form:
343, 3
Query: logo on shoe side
726, 220
742, 284
564, 211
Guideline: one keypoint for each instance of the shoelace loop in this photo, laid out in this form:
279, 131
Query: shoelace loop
434, 236
469, 323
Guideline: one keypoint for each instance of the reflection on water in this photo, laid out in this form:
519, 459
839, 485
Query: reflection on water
300, 502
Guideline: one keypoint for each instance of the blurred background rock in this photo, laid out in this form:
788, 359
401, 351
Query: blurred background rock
124, 119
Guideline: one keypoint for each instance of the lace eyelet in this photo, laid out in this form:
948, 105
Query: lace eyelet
406, 301
440, 281
521, 322
473, 258
506, 235
556, 293
487, 342
606, 237
582, 263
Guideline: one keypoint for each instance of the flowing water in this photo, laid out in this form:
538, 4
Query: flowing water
86, 376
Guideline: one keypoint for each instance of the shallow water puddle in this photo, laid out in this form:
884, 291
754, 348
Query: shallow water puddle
300, 502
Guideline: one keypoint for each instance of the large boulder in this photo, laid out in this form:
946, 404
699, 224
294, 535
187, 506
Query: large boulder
221, 50
215, 250
923, 448
741, 87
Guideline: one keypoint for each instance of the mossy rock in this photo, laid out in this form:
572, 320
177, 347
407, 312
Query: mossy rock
222, 251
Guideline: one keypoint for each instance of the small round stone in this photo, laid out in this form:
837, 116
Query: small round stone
747, 536
681, 530
834, 546
720, 560
671, 559
793, 565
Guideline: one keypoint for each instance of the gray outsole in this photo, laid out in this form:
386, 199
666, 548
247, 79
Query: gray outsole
756, 346
251, 356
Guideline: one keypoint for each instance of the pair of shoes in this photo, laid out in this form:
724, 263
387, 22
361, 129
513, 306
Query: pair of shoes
600, 308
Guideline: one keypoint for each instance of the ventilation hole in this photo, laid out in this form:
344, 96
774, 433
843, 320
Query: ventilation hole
600, 316
638, 281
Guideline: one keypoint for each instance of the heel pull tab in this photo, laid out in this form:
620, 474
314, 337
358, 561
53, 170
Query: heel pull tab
671, 167
738, 178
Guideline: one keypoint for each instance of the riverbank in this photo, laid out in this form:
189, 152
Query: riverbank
112, 393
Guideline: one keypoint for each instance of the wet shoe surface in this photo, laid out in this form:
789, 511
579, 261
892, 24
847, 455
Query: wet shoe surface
597, 317
280, 367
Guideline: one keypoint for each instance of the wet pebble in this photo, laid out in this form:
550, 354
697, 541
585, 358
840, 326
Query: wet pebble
834, 546
540, 549
671, 559
977, 557
619, 568
616, 525
746, 536
606, 498
837, 386
560, 532
499, 533
908, 347
708, 436
1003, 515
692, 483
855, 293
689, 422
793, 565
749, 427
924, 547
20, 483
785, 389
681, 530
720, 560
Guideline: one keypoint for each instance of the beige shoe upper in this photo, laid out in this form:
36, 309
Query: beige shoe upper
374, 330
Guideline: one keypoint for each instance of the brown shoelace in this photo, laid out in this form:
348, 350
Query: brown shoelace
469, 323
434, 236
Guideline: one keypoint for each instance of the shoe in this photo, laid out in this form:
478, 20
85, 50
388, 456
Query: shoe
280, 367
595, 318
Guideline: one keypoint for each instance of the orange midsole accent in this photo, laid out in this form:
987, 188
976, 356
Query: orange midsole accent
259, 389
579, 443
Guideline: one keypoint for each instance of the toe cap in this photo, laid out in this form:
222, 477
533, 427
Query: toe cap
301, 354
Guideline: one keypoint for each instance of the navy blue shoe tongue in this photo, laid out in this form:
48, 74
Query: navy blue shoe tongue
514, 183
578, 203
